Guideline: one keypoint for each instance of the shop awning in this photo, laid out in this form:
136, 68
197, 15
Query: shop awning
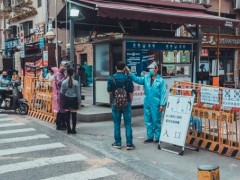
118, 10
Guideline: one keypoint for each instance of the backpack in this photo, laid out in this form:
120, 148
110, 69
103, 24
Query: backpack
120, 99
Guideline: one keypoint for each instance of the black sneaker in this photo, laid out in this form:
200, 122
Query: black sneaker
156, 141
130, 147
69, 131
61, 128
74, 131
117, 146
148, 141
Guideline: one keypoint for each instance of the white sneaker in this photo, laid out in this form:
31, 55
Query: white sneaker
3, 104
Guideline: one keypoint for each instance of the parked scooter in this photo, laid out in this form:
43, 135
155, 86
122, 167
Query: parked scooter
14, 98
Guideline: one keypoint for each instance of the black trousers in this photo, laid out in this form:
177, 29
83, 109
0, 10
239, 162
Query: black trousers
74, 120
61, 121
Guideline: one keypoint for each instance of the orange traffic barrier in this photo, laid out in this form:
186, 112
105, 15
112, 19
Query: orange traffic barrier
217, 127
38, 92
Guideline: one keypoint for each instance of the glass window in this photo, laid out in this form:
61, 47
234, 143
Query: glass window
182, 70
102, 60
176, 56
39, 3
168, 70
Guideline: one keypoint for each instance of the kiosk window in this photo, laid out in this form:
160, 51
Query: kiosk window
176, 56
168, 70
183, 70
102, 60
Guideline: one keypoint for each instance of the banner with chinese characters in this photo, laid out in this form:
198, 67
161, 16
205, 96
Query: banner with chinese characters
176, 119
138, 95
225, 40
209, 95
231, 98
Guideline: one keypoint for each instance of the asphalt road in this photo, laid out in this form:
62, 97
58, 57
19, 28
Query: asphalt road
31, 149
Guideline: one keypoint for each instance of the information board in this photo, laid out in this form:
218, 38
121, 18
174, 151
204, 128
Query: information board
231, 98
210, 95
176, 119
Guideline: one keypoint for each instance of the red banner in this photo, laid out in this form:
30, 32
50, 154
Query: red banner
31, 67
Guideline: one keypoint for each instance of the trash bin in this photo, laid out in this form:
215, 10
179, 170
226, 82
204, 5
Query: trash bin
208, 172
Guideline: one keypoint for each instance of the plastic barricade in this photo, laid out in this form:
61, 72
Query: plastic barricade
217, 127
38, 92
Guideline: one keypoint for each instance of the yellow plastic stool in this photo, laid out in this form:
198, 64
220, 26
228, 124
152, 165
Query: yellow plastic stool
208, 172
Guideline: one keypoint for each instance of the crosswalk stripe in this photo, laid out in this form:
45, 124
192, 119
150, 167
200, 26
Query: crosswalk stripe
30, 149
3, 115
17, 131
26, 138
11, 124
85, 175
6, 119
41, 162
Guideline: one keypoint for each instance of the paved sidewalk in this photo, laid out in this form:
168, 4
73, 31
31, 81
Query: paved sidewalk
150, 161
96, 113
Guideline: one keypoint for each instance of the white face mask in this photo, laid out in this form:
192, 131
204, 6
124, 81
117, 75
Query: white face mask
151, 72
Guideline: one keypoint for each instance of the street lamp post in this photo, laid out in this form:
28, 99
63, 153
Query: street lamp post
50, 36
73, 14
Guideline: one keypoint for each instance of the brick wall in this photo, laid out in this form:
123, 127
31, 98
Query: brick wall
85, 48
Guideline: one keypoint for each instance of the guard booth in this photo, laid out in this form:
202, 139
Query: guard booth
138, 32
175, 61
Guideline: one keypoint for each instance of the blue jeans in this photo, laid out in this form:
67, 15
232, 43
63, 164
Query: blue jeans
127, 115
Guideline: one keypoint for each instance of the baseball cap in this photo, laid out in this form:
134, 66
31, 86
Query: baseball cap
152, 65
64, 62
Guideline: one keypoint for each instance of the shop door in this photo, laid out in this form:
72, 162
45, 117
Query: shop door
83, 58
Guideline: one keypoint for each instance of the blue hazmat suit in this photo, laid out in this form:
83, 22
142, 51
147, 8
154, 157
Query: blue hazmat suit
155, 96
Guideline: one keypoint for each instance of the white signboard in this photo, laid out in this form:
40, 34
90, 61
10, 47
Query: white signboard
176, 119
22, 50
45, 55
231, 98
210, 95
138, 94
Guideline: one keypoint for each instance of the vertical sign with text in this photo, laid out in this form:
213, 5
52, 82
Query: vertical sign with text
45, 58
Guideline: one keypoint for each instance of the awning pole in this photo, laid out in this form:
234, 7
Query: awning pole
56, 28
218, 53
71, 39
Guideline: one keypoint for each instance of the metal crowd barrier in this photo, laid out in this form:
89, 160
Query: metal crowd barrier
38, 92
217, 126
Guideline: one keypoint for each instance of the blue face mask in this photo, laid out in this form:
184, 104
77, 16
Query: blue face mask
151, 72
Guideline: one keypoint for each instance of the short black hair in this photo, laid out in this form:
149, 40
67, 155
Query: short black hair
120, 65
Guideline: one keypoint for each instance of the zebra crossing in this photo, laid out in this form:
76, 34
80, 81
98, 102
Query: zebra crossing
18, 141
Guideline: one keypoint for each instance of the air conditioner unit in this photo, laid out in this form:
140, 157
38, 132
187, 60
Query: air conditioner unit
32, 31
204, 2
236, 4
186, 1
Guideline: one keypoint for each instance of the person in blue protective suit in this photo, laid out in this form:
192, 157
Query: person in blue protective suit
154, 101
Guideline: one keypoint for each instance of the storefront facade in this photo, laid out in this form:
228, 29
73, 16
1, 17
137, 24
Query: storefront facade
228, 57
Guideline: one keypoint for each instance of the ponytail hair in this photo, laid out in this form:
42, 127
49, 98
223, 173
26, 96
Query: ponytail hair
70, 73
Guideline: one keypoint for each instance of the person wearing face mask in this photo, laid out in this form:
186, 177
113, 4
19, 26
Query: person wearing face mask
59, 77
4, 82
154, 101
